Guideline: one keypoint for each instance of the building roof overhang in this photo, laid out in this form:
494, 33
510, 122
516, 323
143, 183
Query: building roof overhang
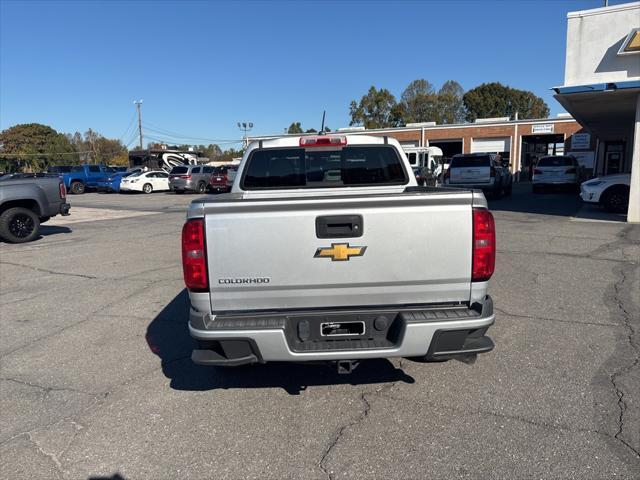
605, 109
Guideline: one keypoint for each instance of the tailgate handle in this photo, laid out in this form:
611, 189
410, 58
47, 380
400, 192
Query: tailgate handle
339, 226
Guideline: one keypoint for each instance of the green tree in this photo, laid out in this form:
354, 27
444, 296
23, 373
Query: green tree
375, 109
450, 107
230, 154
92, 147
33, 146
295, 128
497, 100
417, 103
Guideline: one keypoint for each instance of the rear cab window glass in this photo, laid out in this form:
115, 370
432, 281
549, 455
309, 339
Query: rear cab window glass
555, 162
94, 169
470, 161
321, 168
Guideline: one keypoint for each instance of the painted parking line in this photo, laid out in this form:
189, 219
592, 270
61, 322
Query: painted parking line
87, 214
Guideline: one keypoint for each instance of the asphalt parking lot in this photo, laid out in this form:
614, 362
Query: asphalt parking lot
96, 380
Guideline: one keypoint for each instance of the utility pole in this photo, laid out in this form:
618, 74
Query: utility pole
138, 104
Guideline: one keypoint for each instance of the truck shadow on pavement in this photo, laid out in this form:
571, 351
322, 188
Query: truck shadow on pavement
46, 230
168, 337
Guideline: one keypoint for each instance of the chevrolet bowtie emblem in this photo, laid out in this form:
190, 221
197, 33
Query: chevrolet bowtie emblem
339, 252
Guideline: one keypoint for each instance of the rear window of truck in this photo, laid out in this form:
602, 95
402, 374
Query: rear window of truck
555, 162
474, 161
311, 168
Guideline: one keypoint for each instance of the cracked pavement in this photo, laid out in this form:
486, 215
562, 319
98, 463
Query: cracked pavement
96, 380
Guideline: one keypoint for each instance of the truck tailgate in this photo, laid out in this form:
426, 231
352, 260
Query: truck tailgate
266, 254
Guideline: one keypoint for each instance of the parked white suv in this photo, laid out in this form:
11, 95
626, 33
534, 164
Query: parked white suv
611, 191
484, 171
556, 171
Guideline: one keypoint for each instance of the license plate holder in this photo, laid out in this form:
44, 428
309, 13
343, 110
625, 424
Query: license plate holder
342, 329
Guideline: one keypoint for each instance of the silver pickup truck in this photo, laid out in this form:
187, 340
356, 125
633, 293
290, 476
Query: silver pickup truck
326, 249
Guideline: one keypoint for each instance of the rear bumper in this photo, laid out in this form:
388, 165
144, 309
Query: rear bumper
64, 209
474, 186
182, 186
436, 332
558, 182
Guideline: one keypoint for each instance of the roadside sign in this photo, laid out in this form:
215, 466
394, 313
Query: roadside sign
543, 128
580, 141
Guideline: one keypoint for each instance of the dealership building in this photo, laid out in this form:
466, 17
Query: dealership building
519, 141
602, 88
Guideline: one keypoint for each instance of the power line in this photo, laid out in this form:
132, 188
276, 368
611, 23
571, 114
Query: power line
41, 154
169, 133
174, 142
126, 132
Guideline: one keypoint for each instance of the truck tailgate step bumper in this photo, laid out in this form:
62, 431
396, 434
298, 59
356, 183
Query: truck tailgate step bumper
436, 332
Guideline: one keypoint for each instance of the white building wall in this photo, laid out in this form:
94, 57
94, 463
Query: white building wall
593, 40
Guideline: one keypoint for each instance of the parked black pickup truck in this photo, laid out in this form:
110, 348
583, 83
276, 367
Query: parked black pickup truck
26, 201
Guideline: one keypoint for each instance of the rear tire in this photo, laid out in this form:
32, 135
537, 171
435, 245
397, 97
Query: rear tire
147, 188
616, 199
202, 187
77, 188
19, 225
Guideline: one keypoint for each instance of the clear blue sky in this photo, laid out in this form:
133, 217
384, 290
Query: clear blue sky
203, 66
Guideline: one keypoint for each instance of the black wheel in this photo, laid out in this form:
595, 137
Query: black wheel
77, 188
19, 225
202, 187
147, 188
616, 199
179, 192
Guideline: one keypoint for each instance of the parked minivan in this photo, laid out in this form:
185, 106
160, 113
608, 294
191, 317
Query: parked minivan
190, 178
484, 171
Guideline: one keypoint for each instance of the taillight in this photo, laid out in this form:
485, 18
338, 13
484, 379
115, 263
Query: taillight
484, 245
185, 176
537, 171
571, 170
328, 141
194, 260
63, 191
